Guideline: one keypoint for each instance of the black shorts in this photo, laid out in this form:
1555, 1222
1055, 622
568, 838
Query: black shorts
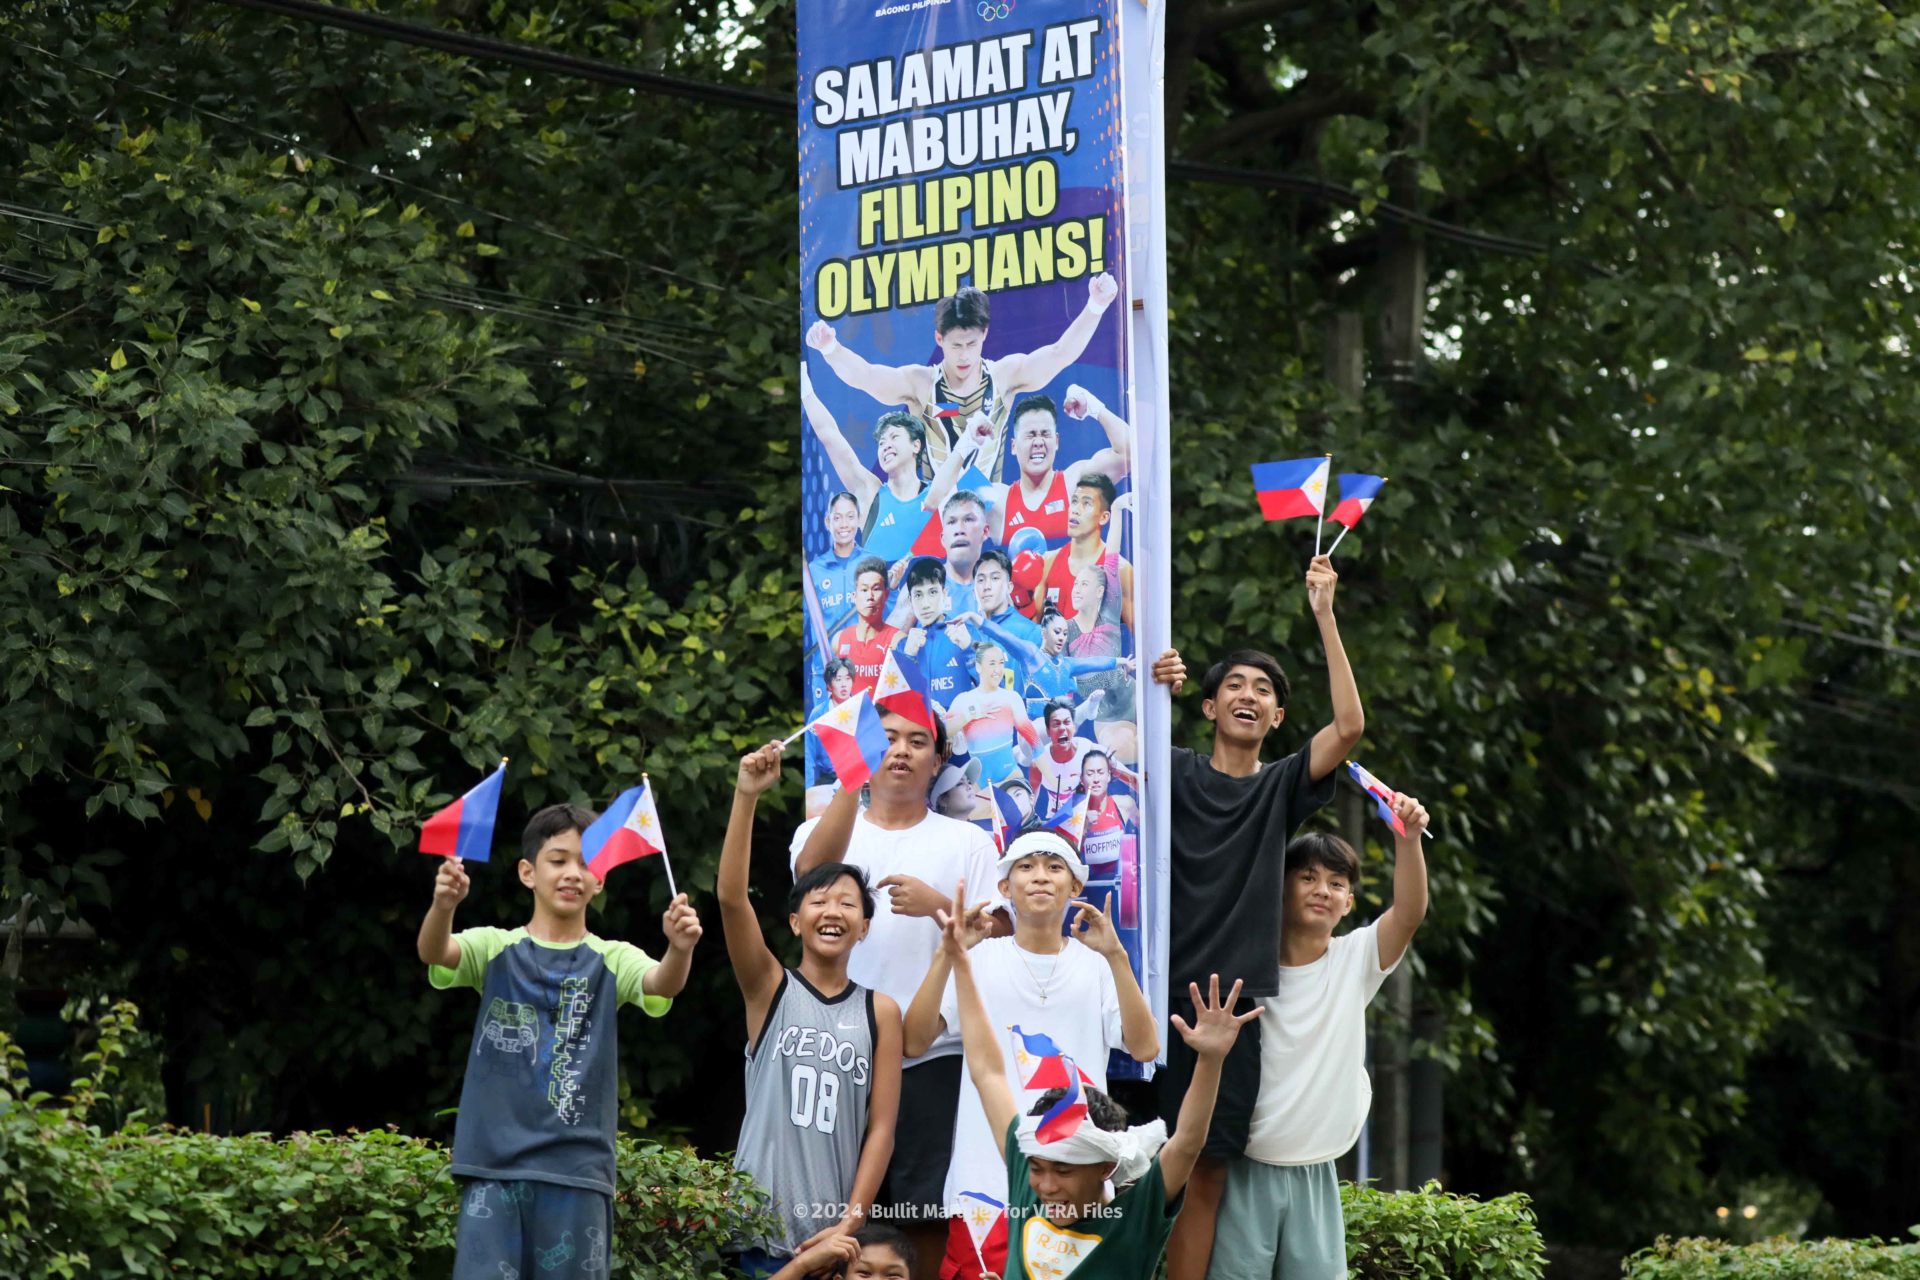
915, 1187
1239, 1082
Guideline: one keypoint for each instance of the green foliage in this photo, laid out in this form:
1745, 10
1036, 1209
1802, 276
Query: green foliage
1433, 1234
80, 1200
1698, 1259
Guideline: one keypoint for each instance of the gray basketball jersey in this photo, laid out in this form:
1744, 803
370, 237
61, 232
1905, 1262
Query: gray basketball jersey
809, 1079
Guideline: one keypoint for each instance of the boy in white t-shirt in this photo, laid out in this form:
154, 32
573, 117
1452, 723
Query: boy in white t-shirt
1078, 992
1280, 1214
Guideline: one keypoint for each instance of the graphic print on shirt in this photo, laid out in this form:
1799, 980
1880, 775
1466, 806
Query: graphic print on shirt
510, 1028
509, 1272
572, 1027
821, 1064
1053, 1253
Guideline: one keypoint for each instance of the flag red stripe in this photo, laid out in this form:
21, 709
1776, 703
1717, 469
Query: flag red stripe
1285, 504
441, 833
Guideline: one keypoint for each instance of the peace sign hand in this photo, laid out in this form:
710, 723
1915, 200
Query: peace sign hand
1094, 927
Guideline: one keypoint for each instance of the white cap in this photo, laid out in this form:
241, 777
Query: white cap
1051, 843
950, 777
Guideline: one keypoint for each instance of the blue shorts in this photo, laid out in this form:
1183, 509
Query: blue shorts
527, 1230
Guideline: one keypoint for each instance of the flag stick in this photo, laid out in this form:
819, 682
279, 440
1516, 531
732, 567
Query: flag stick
1321, 523
1344, 531
672, 892
792, 738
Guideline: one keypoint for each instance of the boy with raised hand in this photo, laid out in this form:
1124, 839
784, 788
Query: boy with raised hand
1058, 1213
874, 1252
1281, 1215
533, 1145
823, 1052
1232, 817
906, 849
1078, 991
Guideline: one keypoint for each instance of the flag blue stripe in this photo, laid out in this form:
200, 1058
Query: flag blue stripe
1271, 476
595, 837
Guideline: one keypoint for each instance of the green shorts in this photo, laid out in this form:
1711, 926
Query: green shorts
1279, 1221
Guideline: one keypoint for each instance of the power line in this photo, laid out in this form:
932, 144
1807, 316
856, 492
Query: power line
537, 59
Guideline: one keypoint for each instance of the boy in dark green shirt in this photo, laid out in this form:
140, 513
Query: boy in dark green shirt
1059, 1221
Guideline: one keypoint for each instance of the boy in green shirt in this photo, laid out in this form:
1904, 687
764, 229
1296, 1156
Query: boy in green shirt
1059, 1221
533, 1145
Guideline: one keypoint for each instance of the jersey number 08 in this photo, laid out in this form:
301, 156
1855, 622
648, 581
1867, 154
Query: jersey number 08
813, 1097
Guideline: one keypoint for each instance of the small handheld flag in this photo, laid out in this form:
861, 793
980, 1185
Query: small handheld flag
853, 738
903, 688
1382, 798
1040, 1062
464, 829
1357, 493
1069, 819
1063, 1117
629, 829
982, 1213
1293, 488
996, 818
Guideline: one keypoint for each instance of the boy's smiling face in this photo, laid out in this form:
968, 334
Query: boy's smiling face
1245, 708
1317, 899
878, 1262
562, 886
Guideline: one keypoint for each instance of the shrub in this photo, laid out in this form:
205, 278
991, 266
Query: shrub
1698, 1259
76, 1201
1432, 1233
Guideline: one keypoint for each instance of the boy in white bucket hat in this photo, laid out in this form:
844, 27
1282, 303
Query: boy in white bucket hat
1046, 992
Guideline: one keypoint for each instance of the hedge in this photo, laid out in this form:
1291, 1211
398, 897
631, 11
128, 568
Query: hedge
1700, 1259
146, 1201
76, 1201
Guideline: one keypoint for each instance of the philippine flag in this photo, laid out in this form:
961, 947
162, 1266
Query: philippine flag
1063, 1117
464, 829
1070, 819
1382, 797
983, 1214
1289, 489
1357, 493
853, 738
629, 829
945, 410
903, 688
1041, 1064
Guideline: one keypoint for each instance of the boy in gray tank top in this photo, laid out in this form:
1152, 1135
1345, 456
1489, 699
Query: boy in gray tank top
823, 1053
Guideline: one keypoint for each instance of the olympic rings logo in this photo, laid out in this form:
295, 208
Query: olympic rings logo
988, 10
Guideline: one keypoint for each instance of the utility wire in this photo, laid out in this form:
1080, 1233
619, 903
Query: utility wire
534, 58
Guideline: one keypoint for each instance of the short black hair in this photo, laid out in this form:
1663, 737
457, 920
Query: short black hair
1325, 850
1100, 484
550, 822
994, 555
966, 309
834, 667
866, 565
1103, 1111
846, 494
925, 569
1046, 712
888, 1236
1265, 663
1029, 404
960, 498
824, 875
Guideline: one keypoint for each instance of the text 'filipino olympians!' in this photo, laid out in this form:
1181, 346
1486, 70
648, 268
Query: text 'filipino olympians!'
1029, 119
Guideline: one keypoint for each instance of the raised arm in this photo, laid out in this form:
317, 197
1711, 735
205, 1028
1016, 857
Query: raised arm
1114, 461
436, 944
681, 925
1138, 1030
831, 835
923, 1021
889, 384
1215, 1028
985, 1063
978, 433
1337, 740
754, 966
1039, 367
1398, 922
860, 482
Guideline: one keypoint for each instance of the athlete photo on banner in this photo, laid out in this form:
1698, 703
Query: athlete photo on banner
967, 454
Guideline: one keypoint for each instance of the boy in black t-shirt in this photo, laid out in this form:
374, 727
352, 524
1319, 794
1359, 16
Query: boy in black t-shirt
1232, 817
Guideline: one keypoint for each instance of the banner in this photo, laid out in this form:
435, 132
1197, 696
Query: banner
977, 486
